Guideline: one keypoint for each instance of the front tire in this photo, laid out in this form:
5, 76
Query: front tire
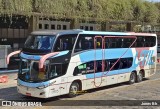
74, 88
132, 79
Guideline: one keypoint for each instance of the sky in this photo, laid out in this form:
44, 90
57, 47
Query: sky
154, 0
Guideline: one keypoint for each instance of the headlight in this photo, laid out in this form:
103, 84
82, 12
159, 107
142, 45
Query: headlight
42, 87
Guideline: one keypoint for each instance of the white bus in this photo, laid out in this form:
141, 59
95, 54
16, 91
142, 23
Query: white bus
54, 63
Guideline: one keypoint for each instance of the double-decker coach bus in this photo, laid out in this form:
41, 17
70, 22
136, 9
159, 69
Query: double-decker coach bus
54, 63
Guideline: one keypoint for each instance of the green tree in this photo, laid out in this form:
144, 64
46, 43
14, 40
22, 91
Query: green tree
151, 13
158, 6
138, 10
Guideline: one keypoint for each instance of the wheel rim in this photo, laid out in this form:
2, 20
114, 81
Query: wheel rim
132, 78
140, 76
74, 89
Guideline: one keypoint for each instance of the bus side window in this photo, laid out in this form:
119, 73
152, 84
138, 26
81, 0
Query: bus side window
119, 42
84, 43
111, 63
123, 64
85, 68
139, 41
106, 65
113, 43
129, 61
90, 67
56, 70
147, 41
99, 66
107, 43
152, 41
117, 65
65, 42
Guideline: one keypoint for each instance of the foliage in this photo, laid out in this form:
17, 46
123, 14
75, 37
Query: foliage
151, 14
16, 6
158, 6
128, 10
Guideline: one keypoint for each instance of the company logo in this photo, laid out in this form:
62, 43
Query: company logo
145, 57
6, 103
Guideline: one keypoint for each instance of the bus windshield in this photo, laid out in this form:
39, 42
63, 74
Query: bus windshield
29, 71
40, 42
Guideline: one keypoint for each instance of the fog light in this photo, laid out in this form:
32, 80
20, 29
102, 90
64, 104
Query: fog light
42, 93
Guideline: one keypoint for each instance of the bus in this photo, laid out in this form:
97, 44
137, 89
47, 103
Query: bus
54, 63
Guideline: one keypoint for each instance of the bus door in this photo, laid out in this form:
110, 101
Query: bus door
98, 60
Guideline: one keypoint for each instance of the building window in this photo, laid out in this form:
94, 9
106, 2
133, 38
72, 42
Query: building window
91, 28
53, 27
40, 26
64, 27
81, 27
86, 27
40, 18
46, 26
58, 27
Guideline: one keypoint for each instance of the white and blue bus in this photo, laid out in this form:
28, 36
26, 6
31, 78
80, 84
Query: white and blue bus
54, 63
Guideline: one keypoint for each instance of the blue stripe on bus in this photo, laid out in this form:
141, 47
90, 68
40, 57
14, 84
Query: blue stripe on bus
37, 57
33, 84
32, 57
61, 54
110, 73
109, 54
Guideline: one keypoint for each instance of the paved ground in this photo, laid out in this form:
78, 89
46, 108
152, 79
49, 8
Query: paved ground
147, 90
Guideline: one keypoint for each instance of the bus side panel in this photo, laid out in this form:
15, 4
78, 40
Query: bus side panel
144, 59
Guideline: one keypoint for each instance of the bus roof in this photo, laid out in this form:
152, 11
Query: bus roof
78, 31
54, 32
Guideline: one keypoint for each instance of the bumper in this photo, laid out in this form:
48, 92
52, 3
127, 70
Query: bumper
34, 92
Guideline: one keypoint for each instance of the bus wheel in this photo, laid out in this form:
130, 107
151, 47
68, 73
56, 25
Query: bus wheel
140, 76
132, 79
74, 88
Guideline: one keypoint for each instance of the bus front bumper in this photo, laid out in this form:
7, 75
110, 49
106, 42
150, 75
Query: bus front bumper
34, 92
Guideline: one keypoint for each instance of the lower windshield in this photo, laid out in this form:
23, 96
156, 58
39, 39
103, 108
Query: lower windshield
39, 42
29, 71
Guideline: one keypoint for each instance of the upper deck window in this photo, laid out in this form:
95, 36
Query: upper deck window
39, 42
65, 42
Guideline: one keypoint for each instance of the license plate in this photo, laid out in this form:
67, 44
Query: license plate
28, 94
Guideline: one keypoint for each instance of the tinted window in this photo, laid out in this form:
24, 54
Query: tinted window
121, 64
84, 43
88, 67
57, 70
65, 42
39, 42
147, 41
